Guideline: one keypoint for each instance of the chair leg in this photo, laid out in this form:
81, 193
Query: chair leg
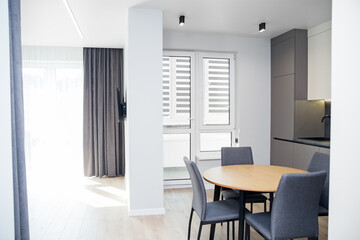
251, 207
189, 228
227, 230
247, 232
199, 234
233, 230
222, 198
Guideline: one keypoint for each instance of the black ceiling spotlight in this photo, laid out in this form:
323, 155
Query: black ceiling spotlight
262, 27
181, 20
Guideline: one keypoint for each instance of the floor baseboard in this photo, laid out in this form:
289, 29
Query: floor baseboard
145, 212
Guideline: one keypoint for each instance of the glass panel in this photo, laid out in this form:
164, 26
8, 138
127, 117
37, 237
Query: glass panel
53, 97
176, 91
216, 91
214, 141
176, 146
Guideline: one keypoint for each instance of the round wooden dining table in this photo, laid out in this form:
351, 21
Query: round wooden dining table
252, 178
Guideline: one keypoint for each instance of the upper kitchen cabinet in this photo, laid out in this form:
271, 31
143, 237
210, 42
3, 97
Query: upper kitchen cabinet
289, 57
319, 62
282, 55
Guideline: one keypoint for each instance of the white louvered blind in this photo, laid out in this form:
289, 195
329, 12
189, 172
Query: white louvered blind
176, 91
166, 87
216, 91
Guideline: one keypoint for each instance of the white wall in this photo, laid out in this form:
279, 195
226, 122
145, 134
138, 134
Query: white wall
345, 128
6, 182
252, 84
143, 127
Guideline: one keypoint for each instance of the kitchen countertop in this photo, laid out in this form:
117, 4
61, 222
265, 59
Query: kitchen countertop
311, 142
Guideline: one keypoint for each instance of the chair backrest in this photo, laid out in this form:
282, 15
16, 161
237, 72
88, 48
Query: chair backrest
321, 162
236, 155
295, 207
199, 193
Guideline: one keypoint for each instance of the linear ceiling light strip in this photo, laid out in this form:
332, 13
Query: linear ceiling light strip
73, 18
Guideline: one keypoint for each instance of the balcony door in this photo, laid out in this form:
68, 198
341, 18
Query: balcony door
198, 108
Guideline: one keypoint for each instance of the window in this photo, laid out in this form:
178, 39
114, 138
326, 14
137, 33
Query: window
176, 91
216, 91
53, 106
198, 107
216, 103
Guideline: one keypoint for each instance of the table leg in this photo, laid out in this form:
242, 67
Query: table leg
271, 200
217, 193
241, 214
216, 198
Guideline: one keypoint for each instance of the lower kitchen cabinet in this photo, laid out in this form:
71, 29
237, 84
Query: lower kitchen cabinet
325, 150
303, 154
282, 153
290, 154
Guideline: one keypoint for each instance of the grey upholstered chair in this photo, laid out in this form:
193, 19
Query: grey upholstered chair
321, 162
234, 156
208, 212
295, 209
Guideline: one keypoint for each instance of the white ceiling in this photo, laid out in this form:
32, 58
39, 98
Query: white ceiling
103, 22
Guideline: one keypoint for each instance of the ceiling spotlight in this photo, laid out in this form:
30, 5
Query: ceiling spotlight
262, 27
181, 20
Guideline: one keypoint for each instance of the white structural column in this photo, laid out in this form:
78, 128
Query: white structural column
345, 128
6, 179
143, 127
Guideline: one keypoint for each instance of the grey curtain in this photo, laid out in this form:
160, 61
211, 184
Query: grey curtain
103, 134
17, 124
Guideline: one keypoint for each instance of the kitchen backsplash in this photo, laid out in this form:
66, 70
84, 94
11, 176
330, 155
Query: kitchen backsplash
308, 115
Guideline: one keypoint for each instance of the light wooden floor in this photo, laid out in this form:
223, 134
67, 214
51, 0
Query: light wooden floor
96, 208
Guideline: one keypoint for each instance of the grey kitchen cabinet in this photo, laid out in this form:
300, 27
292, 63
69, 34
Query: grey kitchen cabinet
288, 84
282, 110
292, 154
282, 56
303, 154
288, 81
324, 150
282, 153
289, 56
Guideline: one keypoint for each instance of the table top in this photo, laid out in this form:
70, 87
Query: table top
255, 178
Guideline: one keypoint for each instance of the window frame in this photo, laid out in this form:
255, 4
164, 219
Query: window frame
172, 92
200, 101
201, 85
181, 129
197, 103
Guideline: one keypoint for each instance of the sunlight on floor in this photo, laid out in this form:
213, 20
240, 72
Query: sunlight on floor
97, 195
84, 189
60, 204
114, 191
97, 200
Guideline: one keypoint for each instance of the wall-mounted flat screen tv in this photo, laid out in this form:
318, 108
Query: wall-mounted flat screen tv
121, 106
